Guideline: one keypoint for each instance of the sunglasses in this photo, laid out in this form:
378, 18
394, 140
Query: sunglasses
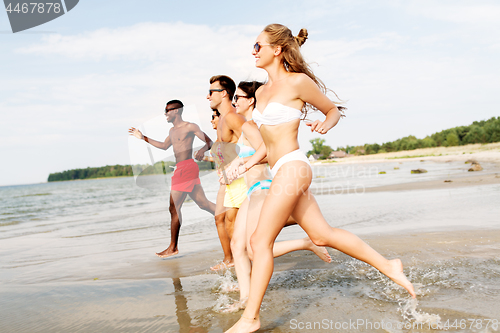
258, 46
210, 91
171, 109
236, 97
213, 116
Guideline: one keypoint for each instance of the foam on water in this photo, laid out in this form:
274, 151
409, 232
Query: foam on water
408, 309
226, 283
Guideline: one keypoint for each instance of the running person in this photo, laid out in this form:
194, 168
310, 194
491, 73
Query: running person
258, 180
185, 179
229, 197
291, 88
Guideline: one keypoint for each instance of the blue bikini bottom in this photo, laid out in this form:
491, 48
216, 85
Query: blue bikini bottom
260, 185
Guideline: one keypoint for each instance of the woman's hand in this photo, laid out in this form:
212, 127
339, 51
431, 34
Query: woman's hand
232, 170
242, 169
319, 126
222, 180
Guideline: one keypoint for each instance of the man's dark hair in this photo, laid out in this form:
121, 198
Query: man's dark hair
177, 104
226, 83
217, 113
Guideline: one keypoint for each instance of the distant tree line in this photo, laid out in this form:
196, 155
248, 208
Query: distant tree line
319, 148
484, 131
121, 171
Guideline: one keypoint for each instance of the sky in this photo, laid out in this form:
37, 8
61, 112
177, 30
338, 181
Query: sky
70, 88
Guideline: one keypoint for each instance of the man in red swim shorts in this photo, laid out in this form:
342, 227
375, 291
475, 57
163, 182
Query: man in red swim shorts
185, 179
186, 176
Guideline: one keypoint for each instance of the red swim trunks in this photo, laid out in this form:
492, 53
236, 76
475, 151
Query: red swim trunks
186, 176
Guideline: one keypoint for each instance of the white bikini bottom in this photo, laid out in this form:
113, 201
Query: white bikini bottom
296, 155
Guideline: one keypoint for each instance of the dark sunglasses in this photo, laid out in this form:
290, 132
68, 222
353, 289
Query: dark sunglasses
258, 46
210, 91
168, 110
213, 116
236, 97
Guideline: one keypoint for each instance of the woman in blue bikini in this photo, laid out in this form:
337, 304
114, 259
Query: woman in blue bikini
258, 180
291, 89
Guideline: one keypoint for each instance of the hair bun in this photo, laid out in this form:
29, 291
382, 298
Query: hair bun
301, 37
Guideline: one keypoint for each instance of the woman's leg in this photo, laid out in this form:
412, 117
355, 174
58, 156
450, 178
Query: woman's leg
284, 247
238, 248
285, 190
309, 217
246, 222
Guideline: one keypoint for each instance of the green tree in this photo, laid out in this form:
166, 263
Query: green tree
317, 145
492, 130
408, 143
428, 142
319, 148
325, 152
452, 139
476, 135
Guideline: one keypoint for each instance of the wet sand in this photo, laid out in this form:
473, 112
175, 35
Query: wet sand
456, 276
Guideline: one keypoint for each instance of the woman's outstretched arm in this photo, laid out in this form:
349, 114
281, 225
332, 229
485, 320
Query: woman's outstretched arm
309, 92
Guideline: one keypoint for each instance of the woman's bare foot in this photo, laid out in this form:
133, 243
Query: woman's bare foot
167, 253
245, 325
236, 306
222, 265
395, 273
320, 251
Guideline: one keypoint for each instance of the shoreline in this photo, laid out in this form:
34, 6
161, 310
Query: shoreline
441, 264
98, 270
481, 152
411, 246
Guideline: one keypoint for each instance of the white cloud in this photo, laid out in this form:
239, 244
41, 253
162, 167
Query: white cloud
476, 13
396, 85
151, 42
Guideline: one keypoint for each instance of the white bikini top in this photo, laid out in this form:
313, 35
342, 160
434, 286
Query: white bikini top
275, 114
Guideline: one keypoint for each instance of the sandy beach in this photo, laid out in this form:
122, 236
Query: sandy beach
489, 153
79, 256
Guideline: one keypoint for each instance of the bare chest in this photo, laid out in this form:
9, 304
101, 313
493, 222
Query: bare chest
180, 136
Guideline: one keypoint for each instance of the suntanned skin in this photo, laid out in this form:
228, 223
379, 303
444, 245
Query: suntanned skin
181, 137
293, 90
220, 217
228, 130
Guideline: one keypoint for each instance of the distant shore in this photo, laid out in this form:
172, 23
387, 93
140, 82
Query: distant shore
482, 153
489, 152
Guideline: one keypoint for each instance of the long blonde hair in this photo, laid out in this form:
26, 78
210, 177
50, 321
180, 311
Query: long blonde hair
292, 60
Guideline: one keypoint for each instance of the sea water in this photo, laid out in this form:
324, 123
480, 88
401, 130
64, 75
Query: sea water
79, 256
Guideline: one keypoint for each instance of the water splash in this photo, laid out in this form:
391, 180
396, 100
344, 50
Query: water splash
225, 283
222, 302
408, 309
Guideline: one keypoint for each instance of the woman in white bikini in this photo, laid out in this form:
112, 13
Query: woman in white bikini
290, 90
258, 181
